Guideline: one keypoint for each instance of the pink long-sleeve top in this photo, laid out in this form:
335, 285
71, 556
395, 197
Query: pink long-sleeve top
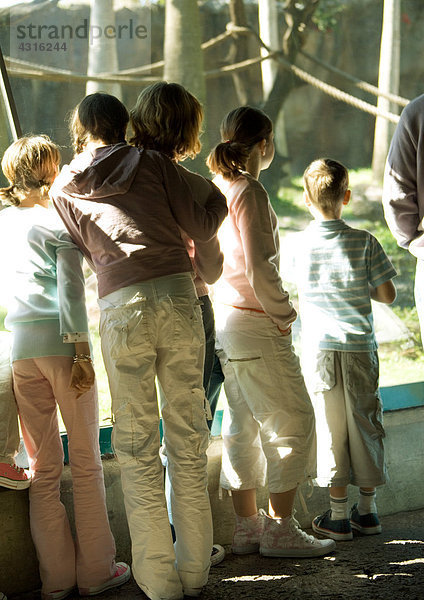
250, 241
125, 208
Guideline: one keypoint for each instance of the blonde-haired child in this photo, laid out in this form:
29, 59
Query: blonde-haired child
52, 367
338, 270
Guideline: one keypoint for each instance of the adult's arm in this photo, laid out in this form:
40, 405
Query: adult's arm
402, 193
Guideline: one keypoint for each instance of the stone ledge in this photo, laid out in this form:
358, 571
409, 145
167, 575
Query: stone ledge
404, 491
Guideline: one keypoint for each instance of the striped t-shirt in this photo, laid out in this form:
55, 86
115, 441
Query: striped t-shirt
332, 265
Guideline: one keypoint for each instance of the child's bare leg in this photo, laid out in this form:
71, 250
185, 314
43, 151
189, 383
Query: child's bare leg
281, 504
244, 502
338, 492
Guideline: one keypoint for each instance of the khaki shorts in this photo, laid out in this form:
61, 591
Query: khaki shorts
349, 417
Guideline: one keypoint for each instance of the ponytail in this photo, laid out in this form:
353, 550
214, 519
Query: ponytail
242, 129
228, 159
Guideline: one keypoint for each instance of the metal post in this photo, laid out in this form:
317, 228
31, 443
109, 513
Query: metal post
9, 101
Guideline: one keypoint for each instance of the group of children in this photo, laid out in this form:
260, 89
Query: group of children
149, 229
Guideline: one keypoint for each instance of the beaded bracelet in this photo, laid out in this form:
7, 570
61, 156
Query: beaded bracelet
82, 358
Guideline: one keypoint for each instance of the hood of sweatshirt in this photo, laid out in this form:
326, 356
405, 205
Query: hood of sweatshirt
106, 171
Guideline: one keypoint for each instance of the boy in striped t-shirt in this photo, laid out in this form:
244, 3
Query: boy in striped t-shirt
338, 270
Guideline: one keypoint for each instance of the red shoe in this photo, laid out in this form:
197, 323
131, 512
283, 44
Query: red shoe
13, 477
122, 574
58, 594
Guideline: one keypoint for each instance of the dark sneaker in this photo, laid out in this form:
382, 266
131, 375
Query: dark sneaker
217, 555
366, 524
336, 529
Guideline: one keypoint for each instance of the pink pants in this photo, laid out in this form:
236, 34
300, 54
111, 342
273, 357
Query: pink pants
40, 385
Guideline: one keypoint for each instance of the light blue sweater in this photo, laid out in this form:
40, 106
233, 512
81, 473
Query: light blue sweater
43, 284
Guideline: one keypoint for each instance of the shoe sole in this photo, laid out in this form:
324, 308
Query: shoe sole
58, 595
11, 484
366, 530
117, 581
338, 537
252, 549
297, 552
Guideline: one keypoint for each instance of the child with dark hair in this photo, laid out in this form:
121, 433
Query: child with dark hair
269, 426
125, 207
338, 270
52, 368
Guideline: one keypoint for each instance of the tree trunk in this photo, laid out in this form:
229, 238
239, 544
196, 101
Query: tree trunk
183, 58
388, 81
239, 51
182, 51
270, 34
102, 53
297, 16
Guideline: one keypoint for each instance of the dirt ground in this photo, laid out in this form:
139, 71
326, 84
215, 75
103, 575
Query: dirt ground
390, 565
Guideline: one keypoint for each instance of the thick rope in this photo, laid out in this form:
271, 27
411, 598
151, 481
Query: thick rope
21, 68
324, 87
363, 85
26, 69
338, 94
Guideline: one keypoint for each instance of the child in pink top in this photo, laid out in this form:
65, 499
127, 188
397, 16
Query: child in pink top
269, 426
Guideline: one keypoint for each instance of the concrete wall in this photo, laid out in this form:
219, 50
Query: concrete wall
404, 491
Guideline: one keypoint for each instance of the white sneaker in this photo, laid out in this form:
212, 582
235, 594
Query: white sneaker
217, 554
284, 538
248, 532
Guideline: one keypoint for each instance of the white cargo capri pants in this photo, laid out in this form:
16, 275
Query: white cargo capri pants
155, 329
268, 427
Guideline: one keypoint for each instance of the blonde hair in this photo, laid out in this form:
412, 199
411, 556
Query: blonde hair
30, 163
167, 118
240, 130
326, 182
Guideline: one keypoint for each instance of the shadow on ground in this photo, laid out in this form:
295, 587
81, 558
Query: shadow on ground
390, 565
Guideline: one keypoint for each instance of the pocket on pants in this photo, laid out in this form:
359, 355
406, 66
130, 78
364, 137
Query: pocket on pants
362, 383
124, 329
188, 322
325, 374
363, 373
200, 414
